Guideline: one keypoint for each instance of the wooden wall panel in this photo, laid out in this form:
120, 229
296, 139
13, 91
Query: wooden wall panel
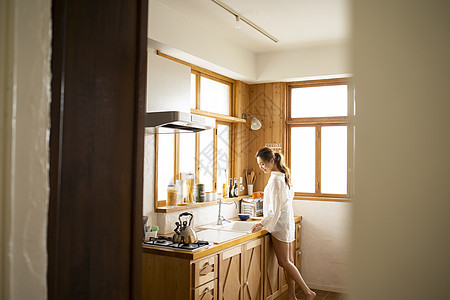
267, 103
241, 133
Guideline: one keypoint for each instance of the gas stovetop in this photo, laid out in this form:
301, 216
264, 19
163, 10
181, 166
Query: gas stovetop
166, 242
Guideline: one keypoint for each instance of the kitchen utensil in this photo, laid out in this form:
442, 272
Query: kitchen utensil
250, 189
187, 234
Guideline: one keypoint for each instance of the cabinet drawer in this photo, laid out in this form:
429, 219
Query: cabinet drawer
208, 291
205, 270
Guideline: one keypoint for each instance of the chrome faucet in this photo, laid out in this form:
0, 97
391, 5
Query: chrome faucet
220, 218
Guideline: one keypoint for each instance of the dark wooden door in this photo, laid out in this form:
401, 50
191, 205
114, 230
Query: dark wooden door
96, 148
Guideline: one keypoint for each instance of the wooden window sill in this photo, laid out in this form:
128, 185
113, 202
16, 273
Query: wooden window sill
329, 199
168, 209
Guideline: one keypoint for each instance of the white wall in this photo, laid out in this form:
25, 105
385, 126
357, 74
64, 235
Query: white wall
325, 243
25, 98
401, 225
174, 30
180, 37
168, 84
149, 177
317, 61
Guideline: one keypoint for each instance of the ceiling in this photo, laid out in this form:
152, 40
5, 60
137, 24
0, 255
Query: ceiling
295, 23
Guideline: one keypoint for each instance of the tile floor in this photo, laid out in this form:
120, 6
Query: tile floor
322, 295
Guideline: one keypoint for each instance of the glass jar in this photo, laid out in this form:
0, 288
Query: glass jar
180, 193
199, 193
190, 188
171, 195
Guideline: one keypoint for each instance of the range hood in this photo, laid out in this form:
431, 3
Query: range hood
179, 120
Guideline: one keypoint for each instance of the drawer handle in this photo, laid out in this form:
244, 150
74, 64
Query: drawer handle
207, 294
207, 268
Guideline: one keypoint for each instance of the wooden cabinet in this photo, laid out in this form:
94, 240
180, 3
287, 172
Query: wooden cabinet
253, 270
298, 259
230, 274
247, 270
240, 272
165, 277
273, 273
297, 250
298, 234
275, 282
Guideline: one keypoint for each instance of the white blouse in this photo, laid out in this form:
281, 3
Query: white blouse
277, 208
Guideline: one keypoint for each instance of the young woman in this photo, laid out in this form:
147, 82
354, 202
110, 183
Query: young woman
279, 217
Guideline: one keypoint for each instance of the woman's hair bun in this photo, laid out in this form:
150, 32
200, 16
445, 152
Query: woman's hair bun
277, 156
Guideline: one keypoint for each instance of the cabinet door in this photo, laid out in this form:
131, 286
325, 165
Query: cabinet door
298, 235
298, 260
271, 271
230, 274
253, 270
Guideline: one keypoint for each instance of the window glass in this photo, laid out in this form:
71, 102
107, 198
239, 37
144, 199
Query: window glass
223, 154
214, 96
206, 159
193, 90
166, 144
334, 160
303, 159
321, 101
187, 153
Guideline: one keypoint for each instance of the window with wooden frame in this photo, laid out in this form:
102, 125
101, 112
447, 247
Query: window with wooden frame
206, 154
319, 138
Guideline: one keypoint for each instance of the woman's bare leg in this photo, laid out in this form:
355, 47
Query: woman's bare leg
289, 279
282, 251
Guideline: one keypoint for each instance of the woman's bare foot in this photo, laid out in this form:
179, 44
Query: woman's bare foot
292, 297
311, 295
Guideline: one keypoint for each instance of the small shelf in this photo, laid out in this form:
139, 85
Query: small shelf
168, 209
217, 116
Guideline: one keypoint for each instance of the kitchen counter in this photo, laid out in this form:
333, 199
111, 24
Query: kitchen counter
205, 251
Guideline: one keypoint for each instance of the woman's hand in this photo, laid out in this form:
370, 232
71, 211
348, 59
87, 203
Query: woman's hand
257, 227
